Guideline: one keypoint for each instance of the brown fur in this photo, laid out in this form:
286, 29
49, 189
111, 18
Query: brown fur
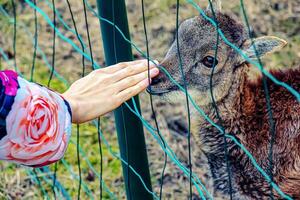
245, 116
286, 114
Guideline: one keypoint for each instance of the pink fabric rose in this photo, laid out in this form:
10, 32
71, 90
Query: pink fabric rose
38, 127
9, 81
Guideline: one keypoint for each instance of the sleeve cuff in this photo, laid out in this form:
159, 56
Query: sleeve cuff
37, 123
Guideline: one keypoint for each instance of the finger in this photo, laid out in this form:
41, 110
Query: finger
122, 65
134, 90
155, 62
132, 70
118, 66
135, 79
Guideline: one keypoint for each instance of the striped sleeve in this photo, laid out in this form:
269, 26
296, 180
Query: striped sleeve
35, 122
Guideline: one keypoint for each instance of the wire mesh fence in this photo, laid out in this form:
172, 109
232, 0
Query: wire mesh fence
91, 163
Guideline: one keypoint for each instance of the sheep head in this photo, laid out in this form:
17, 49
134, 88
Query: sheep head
197, 43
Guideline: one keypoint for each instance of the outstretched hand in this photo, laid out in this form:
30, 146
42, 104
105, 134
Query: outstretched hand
105, 89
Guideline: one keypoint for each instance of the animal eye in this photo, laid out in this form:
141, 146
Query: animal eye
208, 61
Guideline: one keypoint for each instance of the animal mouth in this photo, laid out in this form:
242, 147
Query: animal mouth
157, 91
160, 91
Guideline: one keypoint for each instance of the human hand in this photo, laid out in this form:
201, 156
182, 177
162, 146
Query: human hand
105, 89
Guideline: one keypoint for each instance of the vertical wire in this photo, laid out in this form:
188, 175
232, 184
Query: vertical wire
50, 79
98, 120
83, 73
187, 100
101, 157
53, 63
35, 43
215, 105
269, 106
88, 33
78, 161
122, 110
53, 44
15, 34
152, 106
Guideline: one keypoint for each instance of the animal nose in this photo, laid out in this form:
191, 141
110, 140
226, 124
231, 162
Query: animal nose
155, 81
153, 86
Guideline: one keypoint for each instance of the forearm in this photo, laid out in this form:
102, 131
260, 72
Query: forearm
36, 122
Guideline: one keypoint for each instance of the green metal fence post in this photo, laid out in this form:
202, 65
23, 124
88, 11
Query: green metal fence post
127, 123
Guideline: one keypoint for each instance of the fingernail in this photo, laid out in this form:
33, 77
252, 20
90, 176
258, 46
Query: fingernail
154, 72
154, 62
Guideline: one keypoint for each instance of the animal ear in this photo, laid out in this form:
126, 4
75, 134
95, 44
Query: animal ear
263, 45
216, 5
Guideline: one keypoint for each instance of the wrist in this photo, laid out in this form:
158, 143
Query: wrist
73, 105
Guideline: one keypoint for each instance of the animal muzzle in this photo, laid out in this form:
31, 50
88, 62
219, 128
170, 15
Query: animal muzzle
155, 88
160, 86
157, 91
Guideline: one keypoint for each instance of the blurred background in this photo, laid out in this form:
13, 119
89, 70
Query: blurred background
280, 18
